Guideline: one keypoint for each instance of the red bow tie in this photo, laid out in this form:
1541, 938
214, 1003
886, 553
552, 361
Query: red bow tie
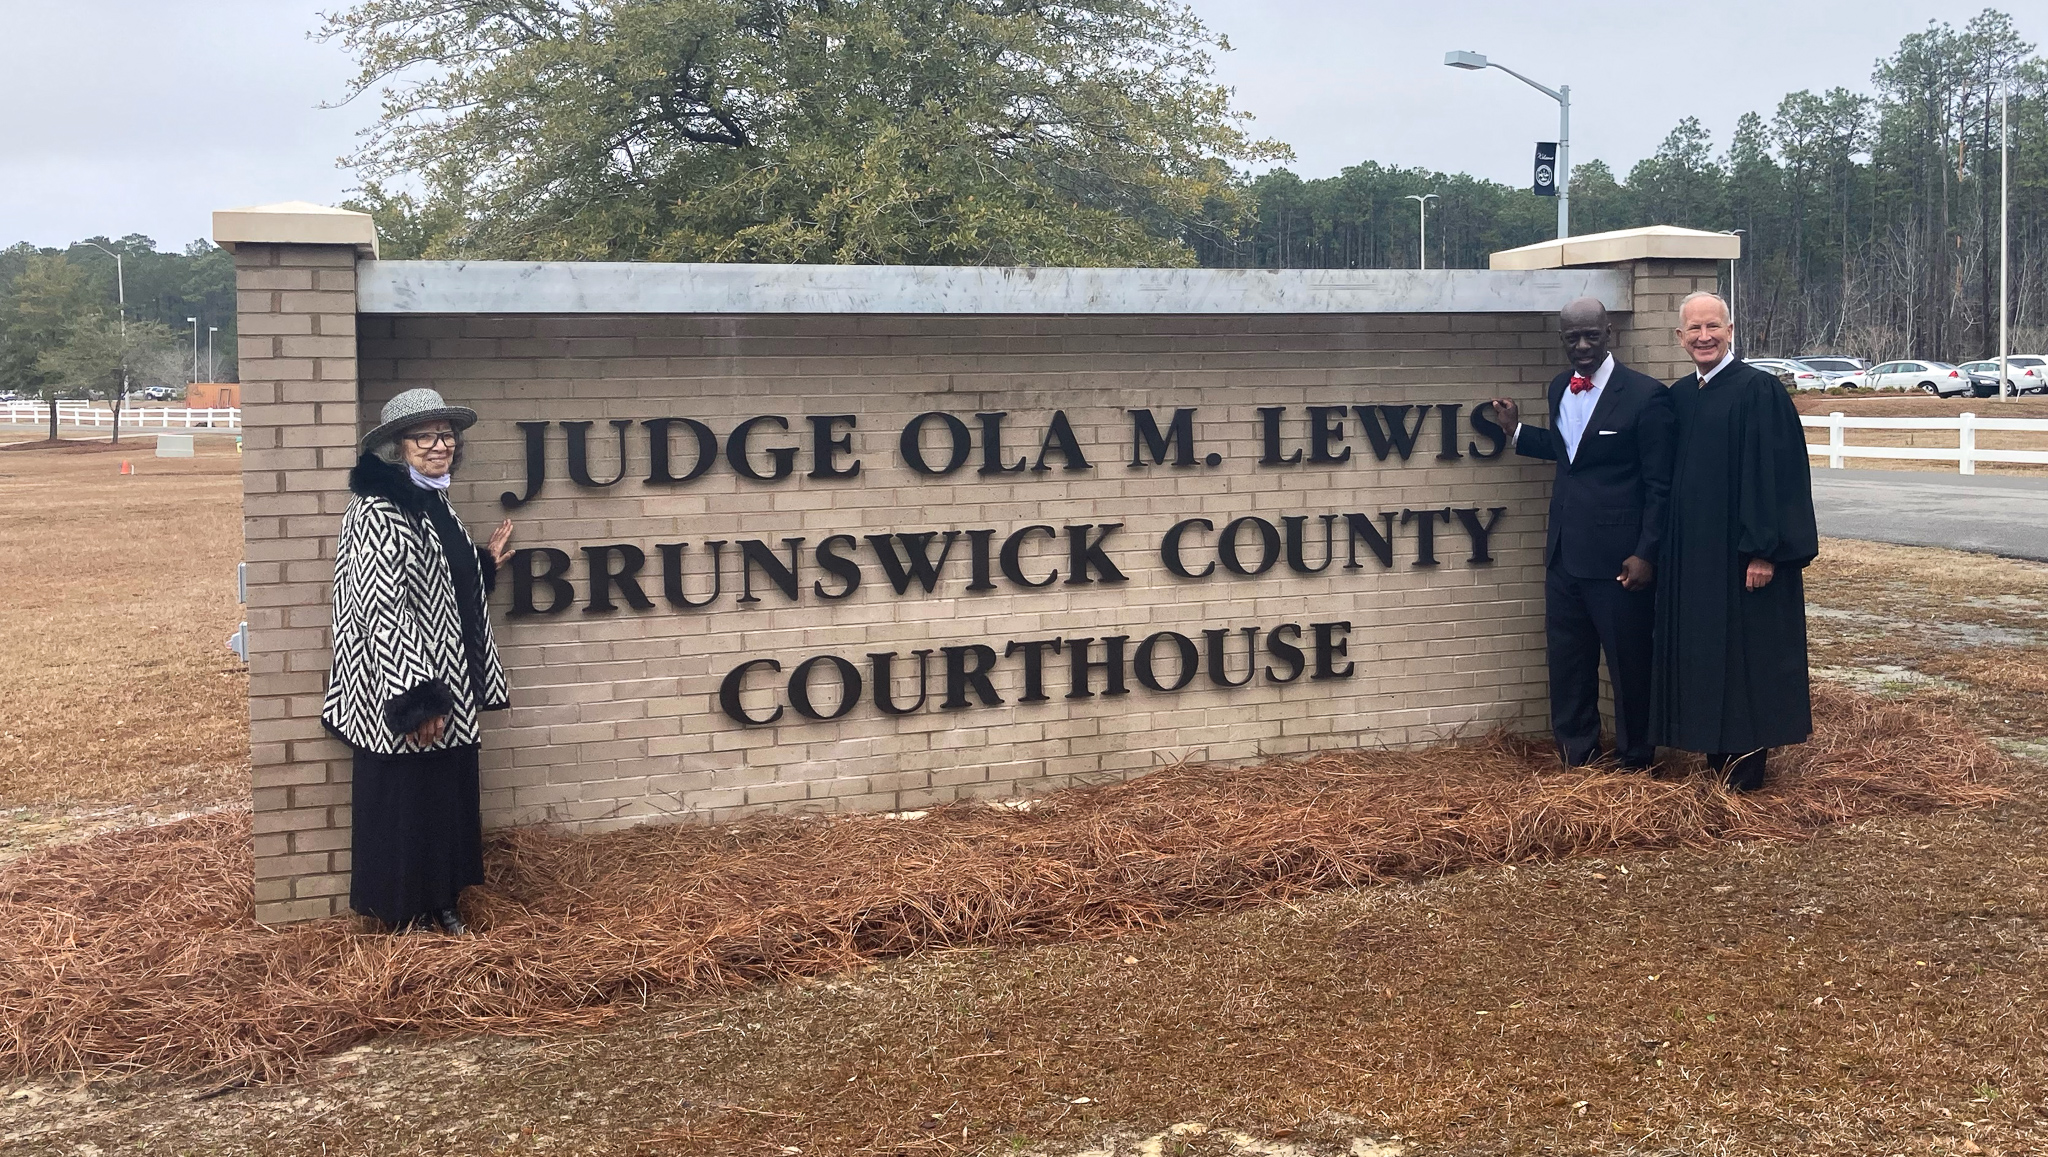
1581, 383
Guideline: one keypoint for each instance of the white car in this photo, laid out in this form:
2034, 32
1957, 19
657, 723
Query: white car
1938, 378
1838, 370
2025, 373
1804, 377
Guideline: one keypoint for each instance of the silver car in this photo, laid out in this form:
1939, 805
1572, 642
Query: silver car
1938, 378
2025, 373
1797, 374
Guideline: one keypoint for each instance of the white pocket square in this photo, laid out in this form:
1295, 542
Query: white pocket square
1610, 431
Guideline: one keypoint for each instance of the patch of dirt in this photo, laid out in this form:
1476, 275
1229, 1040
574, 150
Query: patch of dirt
119, 598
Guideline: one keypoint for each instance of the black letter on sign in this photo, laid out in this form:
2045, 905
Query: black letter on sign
1012, 557
579, 451
1482, 421
838, 566
1480, 535
672, 573
825, 448
1381, 544
1112, 665
1060, 436
913, 448
1425, 532
1034, 666
800, 686
560, 592
603, 577
1269, 430
729, 694
1449, 413
977, 542
915, 561
1084, 556
883, 662
1169, 548
754, 552
1190, 660
1397, 434
1145, 435
1297, 543
960, 676
536, 465
1281, 648
657, 450
1219, 673
783, 457
1269, 545
1330, 648
992, 445
1322, 432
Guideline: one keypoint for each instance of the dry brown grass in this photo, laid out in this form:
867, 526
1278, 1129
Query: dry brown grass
119, 597
136, 951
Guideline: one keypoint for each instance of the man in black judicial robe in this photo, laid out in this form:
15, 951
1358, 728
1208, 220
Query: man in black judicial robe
1731, 678
1611, 437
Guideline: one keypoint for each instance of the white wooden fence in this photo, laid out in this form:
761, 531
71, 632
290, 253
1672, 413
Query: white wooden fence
132, 417
1966, 454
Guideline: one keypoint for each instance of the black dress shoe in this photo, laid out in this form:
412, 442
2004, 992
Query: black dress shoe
1746, 772
451, 922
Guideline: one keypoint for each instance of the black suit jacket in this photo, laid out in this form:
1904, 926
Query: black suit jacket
1611, 501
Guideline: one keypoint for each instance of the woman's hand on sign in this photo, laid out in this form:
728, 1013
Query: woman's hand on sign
500, 545
429, 733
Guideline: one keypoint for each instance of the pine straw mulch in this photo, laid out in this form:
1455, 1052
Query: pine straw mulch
136, 951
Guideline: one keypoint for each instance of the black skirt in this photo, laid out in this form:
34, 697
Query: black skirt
418, 832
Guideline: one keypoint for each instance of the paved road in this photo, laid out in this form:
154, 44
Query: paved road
1995, 514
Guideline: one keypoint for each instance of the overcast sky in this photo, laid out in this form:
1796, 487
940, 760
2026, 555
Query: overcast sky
120, 116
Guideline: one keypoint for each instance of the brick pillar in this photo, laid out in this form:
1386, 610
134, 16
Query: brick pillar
1647, 337
297, 308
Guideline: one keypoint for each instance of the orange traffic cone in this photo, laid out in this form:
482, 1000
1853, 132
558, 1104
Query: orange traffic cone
126, 468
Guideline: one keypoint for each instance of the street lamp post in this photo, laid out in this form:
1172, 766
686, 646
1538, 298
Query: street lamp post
194, 323
1562, 94
1734, 274
1422, 201
2005, 390
121, 296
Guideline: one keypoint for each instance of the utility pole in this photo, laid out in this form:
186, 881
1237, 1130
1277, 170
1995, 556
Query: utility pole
121, 296
194, 323
2005, 392
1562, 94
210, 331
1422, 214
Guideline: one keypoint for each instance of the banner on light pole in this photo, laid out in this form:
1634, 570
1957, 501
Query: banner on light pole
1546, 169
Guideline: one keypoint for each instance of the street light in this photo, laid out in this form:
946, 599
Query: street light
2005, 390
1562, 94
194, 323
210, 331
121, 296
1422, 201
1733, 273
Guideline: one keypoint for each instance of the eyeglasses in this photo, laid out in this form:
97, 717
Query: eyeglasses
432, 438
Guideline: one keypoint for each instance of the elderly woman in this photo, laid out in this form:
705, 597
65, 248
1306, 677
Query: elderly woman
414, 662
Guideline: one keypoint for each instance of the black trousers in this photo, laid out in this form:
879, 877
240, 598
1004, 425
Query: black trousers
1584, 619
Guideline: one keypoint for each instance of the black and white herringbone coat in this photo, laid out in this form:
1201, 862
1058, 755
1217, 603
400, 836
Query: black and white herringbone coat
399, 654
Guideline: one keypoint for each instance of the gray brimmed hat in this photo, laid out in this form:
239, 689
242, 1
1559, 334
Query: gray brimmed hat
410, 409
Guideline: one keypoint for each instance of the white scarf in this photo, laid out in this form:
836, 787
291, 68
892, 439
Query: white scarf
426, 483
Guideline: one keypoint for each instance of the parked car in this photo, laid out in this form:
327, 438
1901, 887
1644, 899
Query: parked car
160, 393
1794, 373
2026, 373
1838, 369
1938, 378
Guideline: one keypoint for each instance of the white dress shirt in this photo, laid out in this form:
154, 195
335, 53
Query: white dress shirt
1718, 367
1575, 410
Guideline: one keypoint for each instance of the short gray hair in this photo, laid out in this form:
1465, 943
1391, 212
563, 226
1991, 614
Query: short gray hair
1706, 295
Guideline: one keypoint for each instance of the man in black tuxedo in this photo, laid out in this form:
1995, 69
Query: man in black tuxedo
1612, 436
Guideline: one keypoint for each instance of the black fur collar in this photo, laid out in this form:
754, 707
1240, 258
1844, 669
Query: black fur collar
373, 477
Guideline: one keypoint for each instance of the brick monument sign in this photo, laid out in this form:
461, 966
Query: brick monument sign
877, 538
